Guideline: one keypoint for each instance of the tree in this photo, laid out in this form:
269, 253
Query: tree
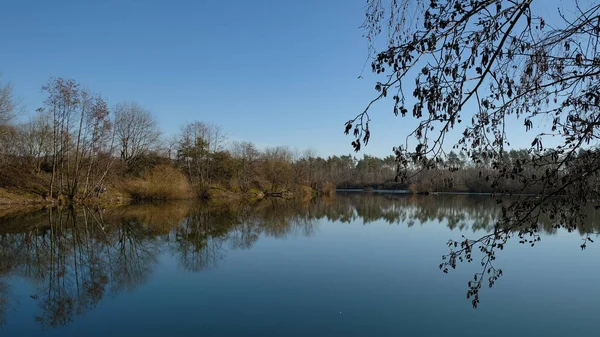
194, 146
476, 67
277, 168
73, 129
34, 141
247, 156
62, 102
8, 103
136, 130
8, 107
306, 168
99, 143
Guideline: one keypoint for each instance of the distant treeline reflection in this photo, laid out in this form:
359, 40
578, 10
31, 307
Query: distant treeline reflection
75, 257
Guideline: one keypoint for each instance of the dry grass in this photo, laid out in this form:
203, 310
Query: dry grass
14, 198
163, 182
158, 217
19, 182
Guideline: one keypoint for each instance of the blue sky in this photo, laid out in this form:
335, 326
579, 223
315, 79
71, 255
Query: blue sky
271, 72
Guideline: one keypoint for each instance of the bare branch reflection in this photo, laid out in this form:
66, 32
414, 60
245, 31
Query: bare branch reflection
75, 257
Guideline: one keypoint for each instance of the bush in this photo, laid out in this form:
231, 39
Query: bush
143, 164
328, 189
163, 182
412, 188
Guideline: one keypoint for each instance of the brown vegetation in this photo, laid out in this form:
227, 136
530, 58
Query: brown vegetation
163, 182
76, 149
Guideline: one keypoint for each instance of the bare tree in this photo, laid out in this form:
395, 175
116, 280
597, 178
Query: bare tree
136, 130
247, 155
8, 109
97, 144
477, 66
216, 138
8, 103
195, 146
63, 99
35, 140
80, 134
277, 168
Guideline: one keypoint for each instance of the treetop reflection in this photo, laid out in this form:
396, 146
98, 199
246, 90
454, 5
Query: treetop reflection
75, 257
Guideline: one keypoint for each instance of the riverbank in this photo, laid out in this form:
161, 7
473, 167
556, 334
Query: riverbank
8, 197
407, 192
162, 182
15, 198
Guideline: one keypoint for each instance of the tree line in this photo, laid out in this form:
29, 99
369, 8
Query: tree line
76, 147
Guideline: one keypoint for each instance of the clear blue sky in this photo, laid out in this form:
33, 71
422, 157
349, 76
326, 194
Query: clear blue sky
271, 72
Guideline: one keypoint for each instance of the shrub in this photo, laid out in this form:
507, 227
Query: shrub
328, 189
412, 188
163, 182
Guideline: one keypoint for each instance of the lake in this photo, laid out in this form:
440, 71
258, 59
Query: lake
358, 264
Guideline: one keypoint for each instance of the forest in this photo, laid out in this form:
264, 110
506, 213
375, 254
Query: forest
76, 148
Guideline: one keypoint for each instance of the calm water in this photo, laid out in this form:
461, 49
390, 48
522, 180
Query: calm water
356, 265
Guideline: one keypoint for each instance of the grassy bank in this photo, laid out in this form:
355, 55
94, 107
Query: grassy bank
162, 182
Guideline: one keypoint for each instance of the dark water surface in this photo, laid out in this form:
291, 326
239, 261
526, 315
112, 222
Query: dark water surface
356, 265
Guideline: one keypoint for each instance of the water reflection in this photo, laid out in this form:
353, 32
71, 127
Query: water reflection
457, 212
76, 257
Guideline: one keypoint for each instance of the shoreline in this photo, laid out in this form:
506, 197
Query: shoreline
407, 192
